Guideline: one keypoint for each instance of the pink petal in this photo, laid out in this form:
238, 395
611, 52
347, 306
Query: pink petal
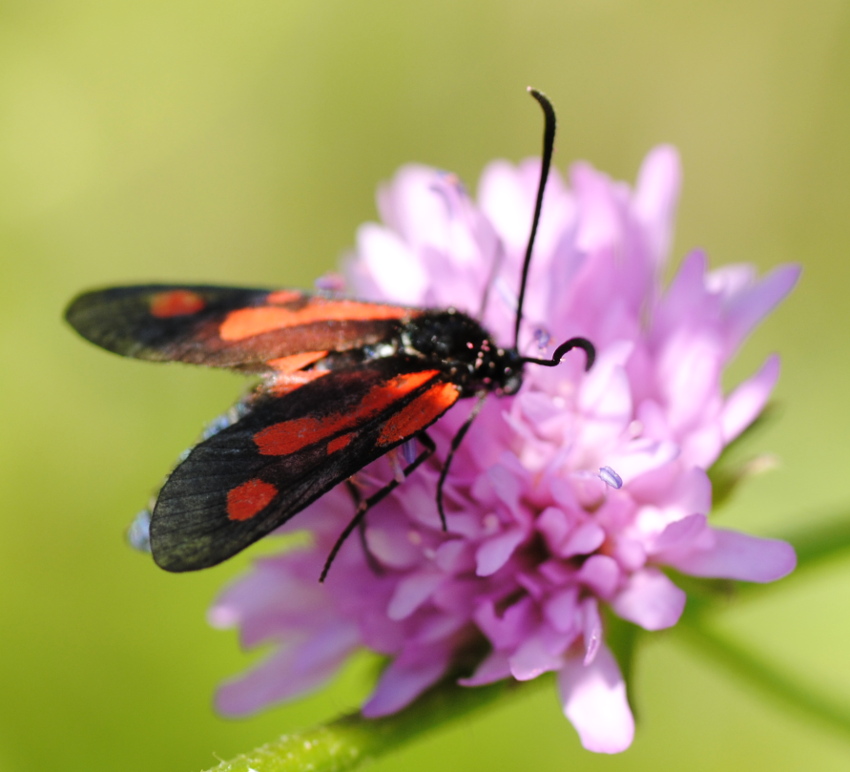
404, 679
601, 574
495, 552
650, 600
685, 299
494, 668
686, 494
554, 524
683, 535
562, 610
606, 391
583, 540
290, 672
749, 307
452, 557
508, 629
506, 202
592, 629
656, 196
272, 599
508, 482
702, 446
391, 544
601, 212
688, 371
419, 204
391, 265
745, 403
411, 592
641, 456
738, 556
728, 280
593, 698
533, 658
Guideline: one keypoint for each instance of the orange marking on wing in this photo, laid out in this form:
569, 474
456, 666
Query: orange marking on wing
247, 322
179, 302
296, 362
282, 297
419, 413
251, 497
338, 443
287, 437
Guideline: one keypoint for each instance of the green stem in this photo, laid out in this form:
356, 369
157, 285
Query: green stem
744, 663
352, 740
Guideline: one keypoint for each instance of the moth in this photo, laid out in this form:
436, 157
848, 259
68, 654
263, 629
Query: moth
343, 382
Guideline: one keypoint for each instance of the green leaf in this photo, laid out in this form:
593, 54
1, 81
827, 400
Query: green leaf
769, 679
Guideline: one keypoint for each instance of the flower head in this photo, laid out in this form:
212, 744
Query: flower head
562, 501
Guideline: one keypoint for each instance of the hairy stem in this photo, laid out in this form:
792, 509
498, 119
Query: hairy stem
349, 741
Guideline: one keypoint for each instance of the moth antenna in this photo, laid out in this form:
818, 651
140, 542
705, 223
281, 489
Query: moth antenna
583, 343
545, 163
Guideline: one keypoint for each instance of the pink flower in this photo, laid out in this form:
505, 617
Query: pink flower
540, 537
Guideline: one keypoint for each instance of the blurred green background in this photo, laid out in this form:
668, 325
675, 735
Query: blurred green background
241, 143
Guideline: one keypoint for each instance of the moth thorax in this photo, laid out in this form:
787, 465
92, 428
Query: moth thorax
446, 336
462, 346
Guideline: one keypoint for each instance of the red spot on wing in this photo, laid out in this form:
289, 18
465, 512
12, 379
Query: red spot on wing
251, 497
338, 443
296, 362
419, 413
247, 322
282, 297
287, 437
179, 302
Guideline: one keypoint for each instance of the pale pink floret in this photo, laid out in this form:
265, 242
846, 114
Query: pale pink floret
538, 540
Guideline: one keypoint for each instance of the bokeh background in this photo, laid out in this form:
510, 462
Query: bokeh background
241, 143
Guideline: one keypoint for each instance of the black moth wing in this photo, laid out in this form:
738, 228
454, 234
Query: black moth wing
225, 326
256, 474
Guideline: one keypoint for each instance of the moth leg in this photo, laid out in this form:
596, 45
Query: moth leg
365, 505
376, 567
456, 440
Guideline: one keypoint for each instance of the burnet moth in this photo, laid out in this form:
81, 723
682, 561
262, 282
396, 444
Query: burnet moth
343, 382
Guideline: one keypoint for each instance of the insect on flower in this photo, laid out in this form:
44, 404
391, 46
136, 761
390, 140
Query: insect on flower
343, 383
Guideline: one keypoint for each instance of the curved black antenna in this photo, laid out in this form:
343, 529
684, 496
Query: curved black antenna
545, 163
583, 343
